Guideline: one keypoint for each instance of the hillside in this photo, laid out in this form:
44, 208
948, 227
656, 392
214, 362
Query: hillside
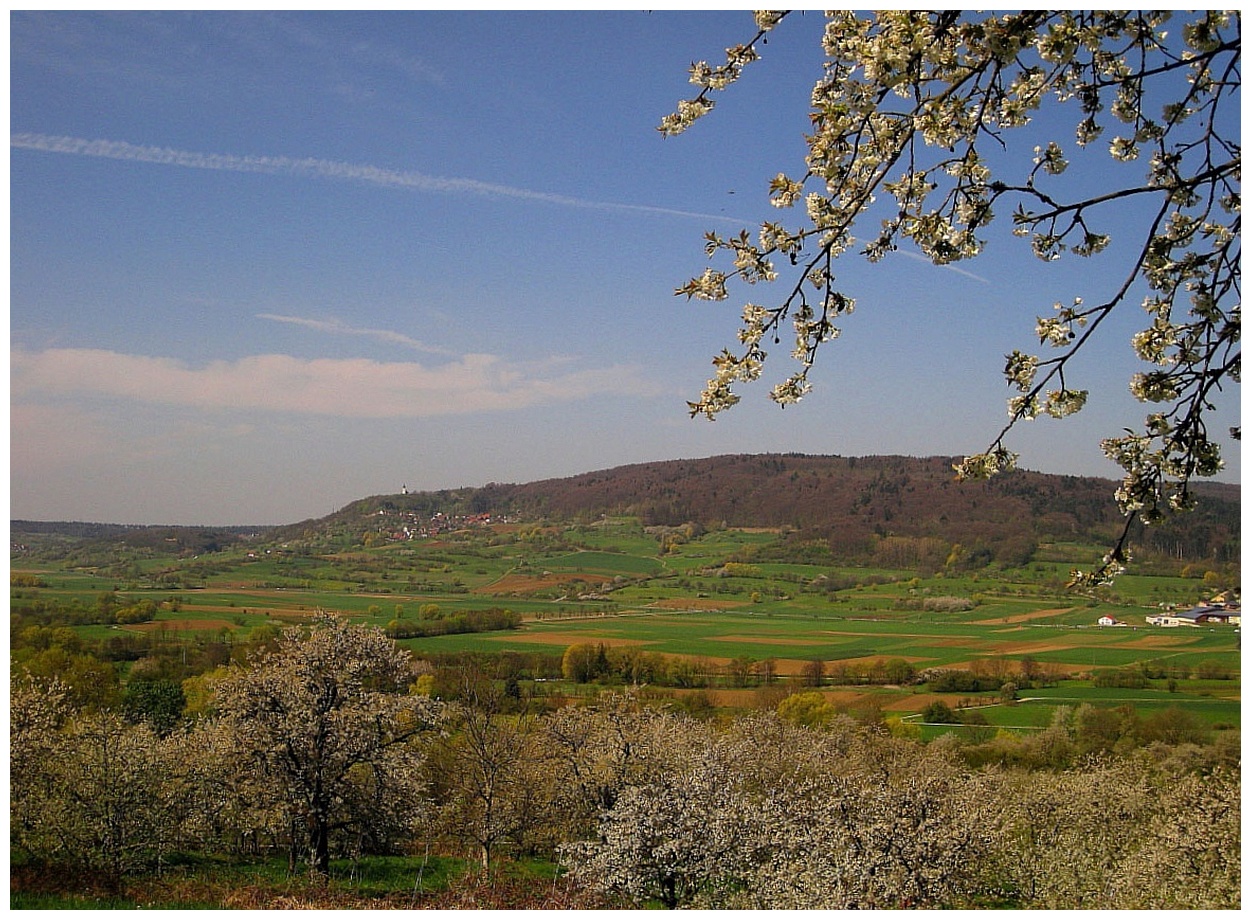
850, 504
63, 539
848, 501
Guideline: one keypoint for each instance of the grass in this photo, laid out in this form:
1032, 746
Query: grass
931, 639
604, 562
205, 883
678, 599
19, 900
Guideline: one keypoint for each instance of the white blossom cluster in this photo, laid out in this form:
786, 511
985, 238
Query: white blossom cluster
642, 804
322, 723
908, 100
766, 815
710, 78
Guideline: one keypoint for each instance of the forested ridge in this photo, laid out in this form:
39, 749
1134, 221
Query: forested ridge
846, 501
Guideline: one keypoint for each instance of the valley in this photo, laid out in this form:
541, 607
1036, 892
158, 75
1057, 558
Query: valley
708, 608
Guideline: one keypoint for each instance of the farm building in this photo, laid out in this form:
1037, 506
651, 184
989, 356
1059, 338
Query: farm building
1214, 613
1166, 619
1198, 616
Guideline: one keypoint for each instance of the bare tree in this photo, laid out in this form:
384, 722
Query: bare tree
486, 760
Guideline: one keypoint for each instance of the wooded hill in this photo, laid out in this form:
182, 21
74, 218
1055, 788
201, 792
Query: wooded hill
851, 503
62, 539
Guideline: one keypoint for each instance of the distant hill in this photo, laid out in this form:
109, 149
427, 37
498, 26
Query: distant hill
850, 504
162, 538
848, 501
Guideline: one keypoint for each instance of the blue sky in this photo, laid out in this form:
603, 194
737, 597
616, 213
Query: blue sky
262, 265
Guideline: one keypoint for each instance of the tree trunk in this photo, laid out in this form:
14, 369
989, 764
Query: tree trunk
293, 847
319, 845
669, 892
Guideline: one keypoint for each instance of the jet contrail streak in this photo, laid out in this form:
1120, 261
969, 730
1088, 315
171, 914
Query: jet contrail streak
321, 169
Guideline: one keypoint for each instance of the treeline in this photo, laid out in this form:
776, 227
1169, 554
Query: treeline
70, 539
148, 672
109, 608
44, 645
617, 666
327, 744
595, 662
460, 621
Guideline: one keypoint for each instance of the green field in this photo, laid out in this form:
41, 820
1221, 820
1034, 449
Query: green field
716, 597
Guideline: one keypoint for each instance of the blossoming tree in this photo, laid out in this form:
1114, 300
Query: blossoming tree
912, 108
323, 729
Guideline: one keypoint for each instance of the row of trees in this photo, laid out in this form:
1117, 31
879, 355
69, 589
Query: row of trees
318, 747
596, 662
435, 623
108, 608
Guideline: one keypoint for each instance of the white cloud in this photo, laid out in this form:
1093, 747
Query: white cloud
320, 169
45, 439
346, 388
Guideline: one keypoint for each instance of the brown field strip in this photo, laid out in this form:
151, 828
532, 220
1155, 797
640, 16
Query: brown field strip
916, 702
1026, 617
746, 697
871, 660
180, 625
528, 584
1031, 648
698, 603
1170, 641
556, 638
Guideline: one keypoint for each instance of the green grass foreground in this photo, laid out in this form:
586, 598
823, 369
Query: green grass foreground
371, 883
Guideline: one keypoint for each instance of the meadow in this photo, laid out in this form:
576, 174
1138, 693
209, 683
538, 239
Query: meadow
711, 597
708, 626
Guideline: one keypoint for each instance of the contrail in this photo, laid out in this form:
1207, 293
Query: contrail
951, 268
320, 169
336, 327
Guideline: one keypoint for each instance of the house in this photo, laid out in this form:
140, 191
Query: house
1106, 620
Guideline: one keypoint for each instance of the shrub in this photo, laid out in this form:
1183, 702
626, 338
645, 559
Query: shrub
1209, 669
810, 709
938, 711
948, 604
1131, 680
942, 680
